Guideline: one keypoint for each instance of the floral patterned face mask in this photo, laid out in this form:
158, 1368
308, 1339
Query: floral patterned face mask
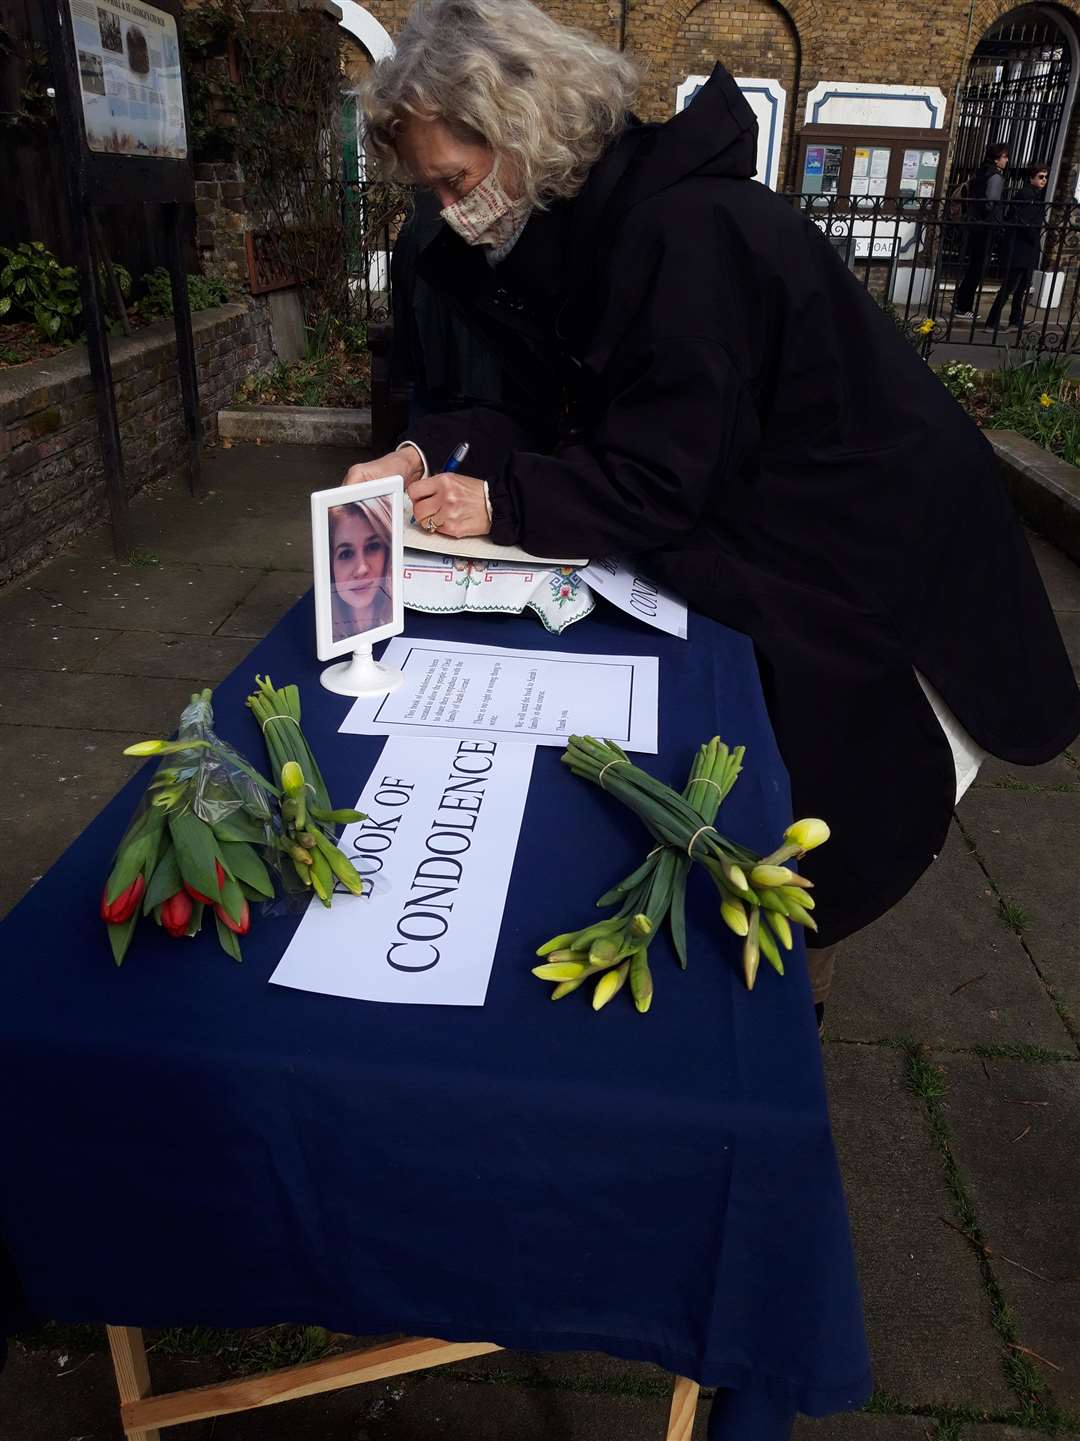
487, 215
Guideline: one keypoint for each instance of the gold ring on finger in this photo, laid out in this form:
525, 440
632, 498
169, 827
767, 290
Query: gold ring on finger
431, 525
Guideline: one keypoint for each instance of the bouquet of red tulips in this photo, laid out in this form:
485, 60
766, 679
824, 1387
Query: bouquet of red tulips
195, 841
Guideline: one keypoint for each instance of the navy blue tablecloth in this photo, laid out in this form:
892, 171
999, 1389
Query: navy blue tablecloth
187, 1144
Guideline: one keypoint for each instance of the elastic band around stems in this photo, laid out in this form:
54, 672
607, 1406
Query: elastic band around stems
705, 781
701, 830
269, 718
600, 777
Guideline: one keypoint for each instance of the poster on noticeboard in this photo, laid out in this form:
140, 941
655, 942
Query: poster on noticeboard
130, 79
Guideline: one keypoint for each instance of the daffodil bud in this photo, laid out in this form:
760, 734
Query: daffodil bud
807, 834
146, 748
609, 984
560, 970
292, 778
734, 917
735, 876
641, 925
772, 876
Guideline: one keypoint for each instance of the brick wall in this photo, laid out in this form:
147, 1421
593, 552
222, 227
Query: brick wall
925, 42
52, 485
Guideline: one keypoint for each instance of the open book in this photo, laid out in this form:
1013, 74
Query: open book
475, 547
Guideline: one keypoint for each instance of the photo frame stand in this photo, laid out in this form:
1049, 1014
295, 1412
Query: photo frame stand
363, 675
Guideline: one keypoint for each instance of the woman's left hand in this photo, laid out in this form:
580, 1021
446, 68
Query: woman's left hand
455, 503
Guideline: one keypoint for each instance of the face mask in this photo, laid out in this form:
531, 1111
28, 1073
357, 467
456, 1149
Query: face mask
487, 215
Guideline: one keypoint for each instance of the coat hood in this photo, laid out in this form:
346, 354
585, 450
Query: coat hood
716, 134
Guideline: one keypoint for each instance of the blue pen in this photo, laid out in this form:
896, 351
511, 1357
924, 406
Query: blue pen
455, 461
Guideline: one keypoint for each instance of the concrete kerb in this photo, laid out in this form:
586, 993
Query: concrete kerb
297, 425
1045, 489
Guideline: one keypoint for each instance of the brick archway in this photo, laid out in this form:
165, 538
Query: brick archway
658, 42
986, 14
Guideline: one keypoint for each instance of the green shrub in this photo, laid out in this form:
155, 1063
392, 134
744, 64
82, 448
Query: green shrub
33, 283
204, 291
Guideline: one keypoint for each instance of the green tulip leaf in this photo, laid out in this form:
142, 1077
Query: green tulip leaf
120, 936
195, 924
165, 882
196, 852
129, 863
240, 827
228, 940
244, 865
232, 900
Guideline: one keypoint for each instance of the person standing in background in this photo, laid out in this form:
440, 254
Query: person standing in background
986, 211
1025, 215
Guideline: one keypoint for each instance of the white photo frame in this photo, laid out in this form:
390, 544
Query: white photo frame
357, 550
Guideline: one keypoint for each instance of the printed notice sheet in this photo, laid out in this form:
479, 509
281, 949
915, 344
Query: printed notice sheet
435, 850
540, 696
636, 595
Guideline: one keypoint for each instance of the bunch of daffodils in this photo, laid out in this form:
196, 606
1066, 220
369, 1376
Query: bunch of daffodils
761, 897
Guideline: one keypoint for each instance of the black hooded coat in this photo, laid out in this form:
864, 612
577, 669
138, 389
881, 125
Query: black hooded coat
692, 377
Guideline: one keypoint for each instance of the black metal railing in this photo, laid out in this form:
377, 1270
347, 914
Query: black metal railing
914, 256
373, 212
911, 254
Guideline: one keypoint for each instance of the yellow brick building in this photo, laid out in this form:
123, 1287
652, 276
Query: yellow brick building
836, 77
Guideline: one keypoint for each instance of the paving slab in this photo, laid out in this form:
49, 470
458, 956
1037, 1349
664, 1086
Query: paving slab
206, 659
262, 469
942, 967
1069, 625
83, 702
57, 781
226, 532
860, 1427
927, 1316
1023, 1185
1030, 844
189, 599
266, 603
1058, 774
1060, 576
38, 645
433, 1407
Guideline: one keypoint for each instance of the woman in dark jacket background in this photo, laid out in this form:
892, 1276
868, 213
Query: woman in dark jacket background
1023, 247
693, 378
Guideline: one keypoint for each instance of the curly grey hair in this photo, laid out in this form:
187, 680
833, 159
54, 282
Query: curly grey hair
503, 73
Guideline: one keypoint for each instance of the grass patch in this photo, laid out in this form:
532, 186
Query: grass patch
62, 1336
245, 1352
1014, 916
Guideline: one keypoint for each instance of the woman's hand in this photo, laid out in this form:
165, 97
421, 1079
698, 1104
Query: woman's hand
405, 462
455, 503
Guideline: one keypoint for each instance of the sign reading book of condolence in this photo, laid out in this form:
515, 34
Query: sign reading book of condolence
130, 79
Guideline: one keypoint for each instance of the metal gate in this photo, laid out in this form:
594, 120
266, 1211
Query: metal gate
1016, 94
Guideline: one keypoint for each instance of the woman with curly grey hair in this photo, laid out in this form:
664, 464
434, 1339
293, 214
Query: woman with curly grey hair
691, 376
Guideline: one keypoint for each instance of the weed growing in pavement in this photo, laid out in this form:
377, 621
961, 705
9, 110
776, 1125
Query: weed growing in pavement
1015, 916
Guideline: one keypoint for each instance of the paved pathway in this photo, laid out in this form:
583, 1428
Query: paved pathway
953, 1051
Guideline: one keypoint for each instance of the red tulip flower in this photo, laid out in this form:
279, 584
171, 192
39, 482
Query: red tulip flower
117, 911
239, 928
176, 913
198, 895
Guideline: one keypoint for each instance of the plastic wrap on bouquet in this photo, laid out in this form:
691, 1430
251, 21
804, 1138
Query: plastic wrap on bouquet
198, 839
